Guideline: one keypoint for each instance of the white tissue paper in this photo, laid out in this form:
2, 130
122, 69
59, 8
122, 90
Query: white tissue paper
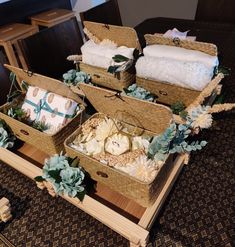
175, 33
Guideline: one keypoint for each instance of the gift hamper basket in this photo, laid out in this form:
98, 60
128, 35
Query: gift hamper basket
47, 102
106, 42
176, 70
122, 133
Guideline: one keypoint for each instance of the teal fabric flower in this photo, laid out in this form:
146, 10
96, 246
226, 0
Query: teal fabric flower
75, 77
72, 179
66, 180
139, 92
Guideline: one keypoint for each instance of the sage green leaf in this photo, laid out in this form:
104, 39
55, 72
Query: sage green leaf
120, 58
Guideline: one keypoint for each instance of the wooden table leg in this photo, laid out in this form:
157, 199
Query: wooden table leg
10, 54
21, 57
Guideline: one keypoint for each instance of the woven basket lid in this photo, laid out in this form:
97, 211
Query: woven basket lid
44, 82
158, 38
122, 36
146, 115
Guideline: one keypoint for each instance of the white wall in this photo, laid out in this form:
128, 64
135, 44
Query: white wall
135, 11
80, 6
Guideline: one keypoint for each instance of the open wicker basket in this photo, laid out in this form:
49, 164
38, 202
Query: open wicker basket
49, 143
155, 120
168, 93
122, 36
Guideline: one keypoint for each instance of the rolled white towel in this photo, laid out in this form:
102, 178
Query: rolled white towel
192, 75
180, 54
96, 60
101, 54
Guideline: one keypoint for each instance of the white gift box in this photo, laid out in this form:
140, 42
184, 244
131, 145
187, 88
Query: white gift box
49, 108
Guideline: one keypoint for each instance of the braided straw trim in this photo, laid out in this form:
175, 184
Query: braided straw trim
221, 107
206, 92
91, 36
157, 38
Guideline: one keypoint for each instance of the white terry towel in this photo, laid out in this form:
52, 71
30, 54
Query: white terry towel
100, 55
181, 54
194, 75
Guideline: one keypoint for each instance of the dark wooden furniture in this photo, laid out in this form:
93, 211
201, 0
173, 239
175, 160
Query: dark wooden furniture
52, 17
5, 84
216, 11
46, 51
21, 10
107, 13
9, 36
205, 31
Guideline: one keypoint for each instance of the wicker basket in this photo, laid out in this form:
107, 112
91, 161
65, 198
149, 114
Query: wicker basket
122, 36
168, 93
155, 120
50, 144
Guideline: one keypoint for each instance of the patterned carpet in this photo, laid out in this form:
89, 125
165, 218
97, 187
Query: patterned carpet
42, 221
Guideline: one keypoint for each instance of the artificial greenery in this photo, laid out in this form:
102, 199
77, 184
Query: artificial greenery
122, 63
139, 92
66, 177
21, 115
178, 107
173, 140
18, 113
41, 126
75, 77
222, 69
159, 146
6, 137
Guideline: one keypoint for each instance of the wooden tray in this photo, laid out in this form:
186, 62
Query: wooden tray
112, 209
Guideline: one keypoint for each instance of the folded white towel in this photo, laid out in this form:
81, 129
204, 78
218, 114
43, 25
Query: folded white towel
180, 54
194, 75
101, 54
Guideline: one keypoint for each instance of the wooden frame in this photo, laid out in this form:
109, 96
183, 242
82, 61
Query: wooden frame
136, 233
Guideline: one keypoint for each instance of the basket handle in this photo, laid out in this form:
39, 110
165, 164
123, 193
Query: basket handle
102, 174
24, 132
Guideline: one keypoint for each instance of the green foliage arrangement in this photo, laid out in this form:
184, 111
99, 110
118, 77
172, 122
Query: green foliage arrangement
75, 77
139, 93
66, 177
173, 140
41, 126
178, 107
18, 113
122, 63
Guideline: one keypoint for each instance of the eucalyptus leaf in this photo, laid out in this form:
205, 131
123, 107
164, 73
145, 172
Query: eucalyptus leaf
120, 58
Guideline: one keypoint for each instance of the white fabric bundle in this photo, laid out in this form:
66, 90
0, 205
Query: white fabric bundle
100, 55
175, 65
192, 75
181, 54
